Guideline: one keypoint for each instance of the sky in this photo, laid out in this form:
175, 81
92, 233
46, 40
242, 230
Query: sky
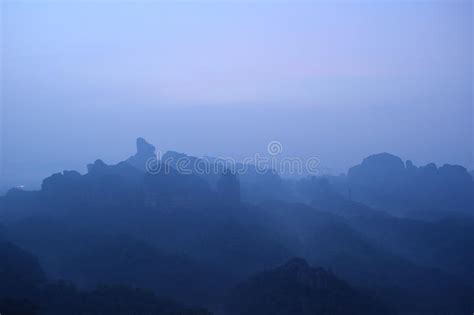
336, 80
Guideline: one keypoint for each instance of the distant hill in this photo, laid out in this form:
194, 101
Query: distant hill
384, 180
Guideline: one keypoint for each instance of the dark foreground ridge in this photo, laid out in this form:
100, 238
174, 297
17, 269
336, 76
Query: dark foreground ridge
298, 289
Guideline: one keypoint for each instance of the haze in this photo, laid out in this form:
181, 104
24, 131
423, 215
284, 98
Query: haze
335, 80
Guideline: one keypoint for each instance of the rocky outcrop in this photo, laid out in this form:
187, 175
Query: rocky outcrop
384, 180
145, 153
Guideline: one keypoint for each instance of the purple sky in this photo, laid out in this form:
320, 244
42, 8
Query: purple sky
337, 80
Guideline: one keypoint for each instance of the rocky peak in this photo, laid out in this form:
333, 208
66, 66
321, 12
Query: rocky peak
97, 166
144, 148
145, 152
384, 160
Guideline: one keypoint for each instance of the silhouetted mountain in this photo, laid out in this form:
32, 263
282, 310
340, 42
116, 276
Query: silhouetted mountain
144, 155
384, 180
438, 244
296, 288
126, 261
189, 164
193, 236
171, 189
24, 290
20, 273
103, 188
257, 184
413, 239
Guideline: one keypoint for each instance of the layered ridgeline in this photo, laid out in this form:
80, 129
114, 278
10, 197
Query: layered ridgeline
25, 290
396, 238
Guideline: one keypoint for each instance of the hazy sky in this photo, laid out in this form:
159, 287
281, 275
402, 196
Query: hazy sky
336, 80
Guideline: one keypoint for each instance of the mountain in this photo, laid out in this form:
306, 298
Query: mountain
144, 157
257, 184
194, 236
299, 289
434, 243
383, 180
20, 272
25, 290
126, 261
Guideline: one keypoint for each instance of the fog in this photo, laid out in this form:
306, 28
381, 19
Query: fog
338, 81
351, 128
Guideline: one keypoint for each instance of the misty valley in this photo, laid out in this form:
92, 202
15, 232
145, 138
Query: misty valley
388, 237
236, 157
